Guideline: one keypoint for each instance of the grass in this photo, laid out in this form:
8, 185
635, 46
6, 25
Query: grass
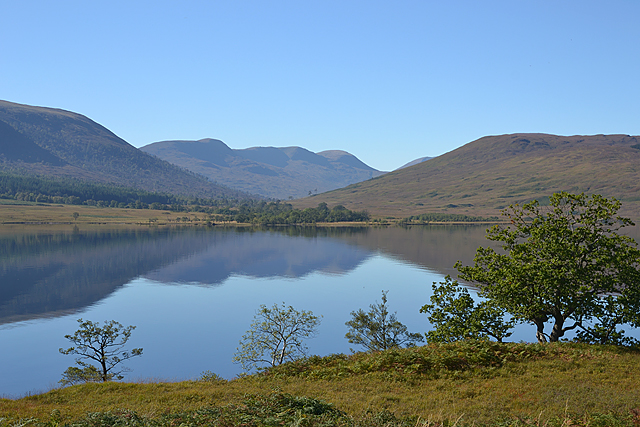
31, 213
467, 383
14, 213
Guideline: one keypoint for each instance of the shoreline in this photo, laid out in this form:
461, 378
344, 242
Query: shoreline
27, 215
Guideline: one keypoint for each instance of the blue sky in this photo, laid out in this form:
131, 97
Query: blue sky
386, 81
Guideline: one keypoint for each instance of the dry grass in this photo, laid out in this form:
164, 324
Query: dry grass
515, 382
38, 214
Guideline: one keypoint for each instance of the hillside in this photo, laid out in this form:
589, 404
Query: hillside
47, 141
415, 162
488, 174
461, 384
277, 172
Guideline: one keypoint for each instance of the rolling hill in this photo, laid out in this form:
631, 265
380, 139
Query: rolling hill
277, 172
486, 175
415, 162
53, 142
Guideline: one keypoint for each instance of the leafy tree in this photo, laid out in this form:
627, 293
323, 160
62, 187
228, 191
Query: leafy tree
456, 316
565, 263
601, 326
102, 344
377, 329
276, 336
75, 375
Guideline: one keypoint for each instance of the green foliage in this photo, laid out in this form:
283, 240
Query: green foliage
88, 374
446, 217
102, 344
433, 361
73, 191
211, 377
564, 263
276, 336
276, 409
601, 326
456, 316
274, 213
378, 329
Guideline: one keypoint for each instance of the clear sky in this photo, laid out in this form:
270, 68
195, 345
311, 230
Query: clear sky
388, 81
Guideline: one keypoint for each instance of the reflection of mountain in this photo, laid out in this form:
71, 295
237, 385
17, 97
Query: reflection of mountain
48, 273
436, 248
260, 254
45, 273
263, 254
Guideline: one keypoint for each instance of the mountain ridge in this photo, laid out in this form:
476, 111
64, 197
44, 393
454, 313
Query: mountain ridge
490, 173
276, 172
54, 142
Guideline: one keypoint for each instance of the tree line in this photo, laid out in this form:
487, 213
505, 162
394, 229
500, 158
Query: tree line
447, 217
76, 192
275, 213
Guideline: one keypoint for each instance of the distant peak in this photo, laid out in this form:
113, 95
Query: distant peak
330, 152
334, 154
209, 140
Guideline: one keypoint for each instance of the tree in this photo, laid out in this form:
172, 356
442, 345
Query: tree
456, 316
74, 375
75, 215
600, 327
378, 330
102, 344
565, 263
276, 336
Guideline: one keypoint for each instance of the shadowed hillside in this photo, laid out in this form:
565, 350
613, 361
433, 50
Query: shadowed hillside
47, 141
278, 172
488, 174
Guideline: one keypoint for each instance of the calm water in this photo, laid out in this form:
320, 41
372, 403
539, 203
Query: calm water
193, 292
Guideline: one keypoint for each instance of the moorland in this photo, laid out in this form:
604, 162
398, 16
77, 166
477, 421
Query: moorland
462, 384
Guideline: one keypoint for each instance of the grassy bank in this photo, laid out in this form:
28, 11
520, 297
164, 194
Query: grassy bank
463, 384
30, 213
13, 214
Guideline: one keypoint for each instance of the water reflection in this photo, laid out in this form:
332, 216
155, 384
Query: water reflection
291, 253
50, 273
135, 276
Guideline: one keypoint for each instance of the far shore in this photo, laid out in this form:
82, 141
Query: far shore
49, 215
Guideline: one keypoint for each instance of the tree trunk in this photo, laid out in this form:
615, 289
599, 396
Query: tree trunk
105, 377
557, 332
540, 330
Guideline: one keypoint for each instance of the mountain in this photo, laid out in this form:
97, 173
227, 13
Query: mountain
47, 141
277, 172
486, 175
415, 162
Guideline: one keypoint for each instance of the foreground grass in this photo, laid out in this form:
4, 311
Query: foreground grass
471, 383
